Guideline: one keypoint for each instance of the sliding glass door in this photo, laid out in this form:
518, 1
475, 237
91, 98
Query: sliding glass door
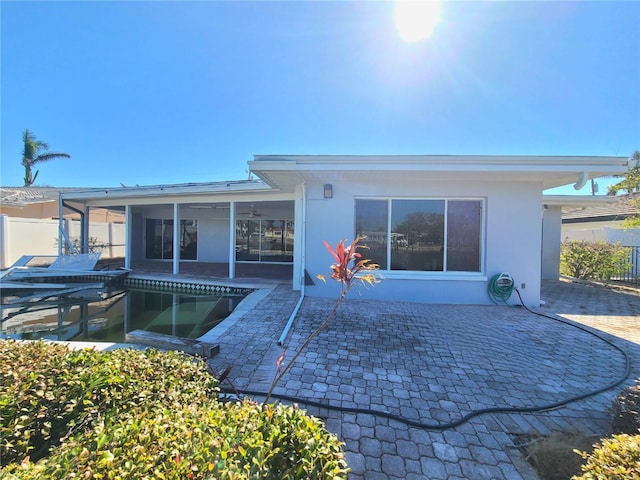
159, 239
264, 241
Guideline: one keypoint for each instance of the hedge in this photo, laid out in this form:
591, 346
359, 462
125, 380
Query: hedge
616, 458
625, 410
593, 260
131, 414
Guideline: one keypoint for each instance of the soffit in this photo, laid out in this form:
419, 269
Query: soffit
615, 207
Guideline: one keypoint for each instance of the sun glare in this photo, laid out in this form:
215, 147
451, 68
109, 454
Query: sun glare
416, 19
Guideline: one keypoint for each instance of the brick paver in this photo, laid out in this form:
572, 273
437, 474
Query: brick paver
434, 364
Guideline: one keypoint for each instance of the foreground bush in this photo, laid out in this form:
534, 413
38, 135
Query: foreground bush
48, 392
593, 260
233, 441
626, 410
616, 458
145, 414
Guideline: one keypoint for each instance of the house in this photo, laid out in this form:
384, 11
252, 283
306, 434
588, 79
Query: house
439, 226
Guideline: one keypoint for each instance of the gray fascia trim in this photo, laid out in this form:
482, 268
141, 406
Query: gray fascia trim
577, 163
578, 200
603, 218
169, 190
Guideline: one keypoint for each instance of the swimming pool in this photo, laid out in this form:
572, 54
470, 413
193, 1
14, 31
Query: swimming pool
106, 315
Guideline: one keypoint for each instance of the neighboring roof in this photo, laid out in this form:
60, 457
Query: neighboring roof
618, 208
23, 196
285, 171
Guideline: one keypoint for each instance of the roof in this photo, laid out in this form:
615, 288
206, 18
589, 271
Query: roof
285, 171
204, 188
282, 173
22, 196
618, 208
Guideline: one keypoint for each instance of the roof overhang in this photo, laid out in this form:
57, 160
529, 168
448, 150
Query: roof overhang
167, 191
577, 201
286, 171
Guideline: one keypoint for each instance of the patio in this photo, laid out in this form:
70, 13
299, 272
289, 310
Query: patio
434, 364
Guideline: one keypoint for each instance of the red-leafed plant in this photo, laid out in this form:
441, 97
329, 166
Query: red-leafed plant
349, 269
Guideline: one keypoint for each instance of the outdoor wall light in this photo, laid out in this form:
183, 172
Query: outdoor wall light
328, 190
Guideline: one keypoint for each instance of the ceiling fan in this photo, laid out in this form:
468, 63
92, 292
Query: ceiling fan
211, 206
252, 213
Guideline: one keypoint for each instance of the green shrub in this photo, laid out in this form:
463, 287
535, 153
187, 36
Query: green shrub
616, 458
593, 260
626, 410
131, 414
48, 392
223, 441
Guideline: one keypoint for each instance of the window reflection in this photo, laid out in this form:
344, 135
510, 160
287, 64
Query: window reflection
372, 223
159, 239
417, 235
264, 240
422, 235
464, 222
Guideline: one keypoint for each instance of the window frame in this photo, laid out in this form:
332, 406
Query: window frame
426, 274
167, 223
287, 232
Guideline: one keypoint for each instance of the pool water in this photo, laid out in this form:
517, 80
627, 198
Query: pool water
107, 315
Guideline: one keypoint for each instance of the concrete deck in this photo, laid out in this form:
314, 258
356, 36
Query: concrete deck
433, 364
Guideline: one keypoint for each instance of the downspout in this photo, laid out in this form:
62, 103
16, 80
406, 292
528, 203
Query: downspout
582, 180
303, 267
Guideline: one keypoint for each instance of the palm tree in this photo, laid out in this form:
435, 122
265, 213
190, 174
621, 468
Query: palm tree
35, 152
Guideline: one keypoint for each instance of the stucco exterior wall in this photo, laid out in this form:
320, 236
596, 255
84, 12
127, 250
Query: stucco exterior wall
512, 240
213, 240
551, 238
137, 236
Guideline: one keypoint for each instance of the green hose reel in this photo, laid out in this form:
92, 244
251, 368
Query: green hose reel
500, 288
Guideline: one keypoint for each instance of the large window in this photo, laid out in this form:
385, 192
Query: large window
264, 240
159, 239
427, 235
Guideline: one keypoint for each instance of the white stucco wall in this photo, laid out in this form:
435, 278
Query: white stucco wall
512, 238
551, 239
213, 240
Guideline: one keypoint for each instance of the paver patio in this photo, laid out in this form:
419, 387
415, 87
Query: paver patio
433, 364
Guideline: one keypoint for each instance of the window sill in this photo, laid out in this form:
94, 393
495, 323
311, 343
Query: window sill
467, 277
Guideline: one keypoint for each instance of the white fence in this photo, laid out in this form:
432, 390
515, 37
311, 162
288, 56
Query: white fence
30, 236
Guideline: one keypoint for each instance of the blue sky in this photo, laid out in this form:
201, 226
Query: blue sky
171, 92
